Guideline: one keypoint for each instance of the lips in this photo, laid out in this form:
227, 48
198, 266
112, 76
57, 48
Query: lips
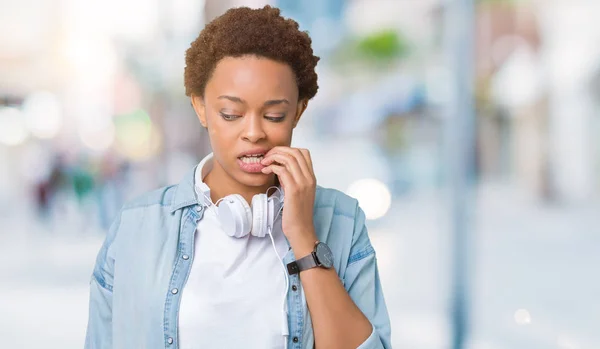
249, 161
250, 165
253, 153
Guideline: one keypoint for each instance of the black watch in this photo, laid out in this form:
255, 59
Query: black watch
321, 257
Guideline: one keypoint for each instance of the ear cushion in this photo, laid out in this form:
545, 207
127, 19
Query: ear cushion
259, 215
235, 216
247, 214
271, 211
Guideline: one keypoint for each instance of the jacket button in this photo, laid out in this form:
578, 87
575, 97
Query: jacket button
295, 339
174, 291
185, 257
170, 340
294, 287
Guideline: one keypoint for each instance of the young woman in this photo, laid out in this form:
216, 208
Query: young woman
247, 251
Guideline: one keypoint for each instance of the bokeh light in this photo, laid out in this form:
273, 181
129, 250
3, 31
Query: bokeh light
97, 135
12, 126
43, 114
373, 196
136, 136
522, 317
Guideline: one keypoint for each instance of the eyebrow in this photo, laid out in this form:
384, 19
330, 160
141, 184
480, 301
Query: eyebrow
267, 103
233, 99
276, 101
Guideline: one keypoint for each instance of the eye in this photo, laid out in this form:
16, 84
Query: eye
275, 118
228, 117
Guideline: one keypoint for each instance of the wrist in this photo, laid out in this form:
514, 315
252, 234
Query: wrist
302, 243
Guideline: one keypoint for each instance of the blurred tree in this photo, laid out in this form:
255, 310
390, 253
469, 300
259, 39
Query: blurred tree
375, 50
384, 45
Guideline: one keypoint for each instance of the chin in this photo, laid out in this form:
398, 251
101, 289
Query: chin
253, 180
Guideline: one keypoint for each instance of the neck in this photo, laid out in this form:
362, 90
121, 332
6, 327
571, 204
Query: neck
221, 185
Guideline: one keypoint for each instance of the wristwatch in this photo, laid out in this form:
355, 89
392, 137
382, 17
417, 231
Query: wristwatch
321, 257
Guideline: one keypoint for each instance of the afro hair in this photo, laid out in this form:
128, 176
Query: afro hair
260, 32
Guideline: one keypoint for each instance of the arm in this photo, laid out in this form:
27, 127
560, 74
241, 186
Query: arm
354, 316
99, 327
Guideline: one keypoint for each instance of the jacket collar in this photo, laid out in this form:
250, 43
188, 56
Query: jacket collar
185, 194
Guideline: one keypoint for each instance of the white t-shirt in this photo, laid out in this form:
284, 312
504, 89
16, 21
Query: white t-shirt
235, 291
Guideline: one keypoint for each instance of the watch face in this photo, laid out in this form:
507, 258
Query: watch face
324, 255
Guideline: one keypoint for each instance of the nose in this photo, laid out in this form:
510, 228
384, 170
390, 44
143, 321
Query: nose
253, 129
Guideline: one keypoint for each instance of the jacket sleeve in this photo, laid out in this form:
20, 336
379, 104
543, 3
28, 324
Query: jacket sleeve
99, 327
361, 280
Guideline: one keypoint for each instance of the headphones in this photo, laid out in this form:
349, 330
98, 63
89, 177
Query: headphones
238, 219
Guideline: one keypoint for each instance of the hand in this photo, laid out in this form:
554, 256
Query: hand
295, 171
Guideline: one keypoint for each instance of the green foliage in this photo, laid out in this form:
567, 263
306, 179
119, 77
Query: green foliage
384, 45
375, 50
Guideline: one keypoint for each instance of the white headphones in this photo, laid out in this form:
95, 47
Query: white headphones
238, 219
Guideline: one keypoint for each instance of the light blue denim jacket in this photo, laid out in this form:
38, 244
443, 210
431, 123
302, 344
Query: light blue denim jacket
143, 265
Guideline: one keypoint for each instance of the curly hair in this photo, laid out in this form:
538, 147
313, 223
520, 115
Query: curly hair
244, 31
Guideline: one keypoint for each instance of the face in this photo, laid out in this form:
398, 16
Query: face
250, 105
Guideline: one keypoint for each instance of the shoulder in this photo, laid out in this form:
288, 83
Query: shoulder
338, 209
341, 222
341, 203
158, 197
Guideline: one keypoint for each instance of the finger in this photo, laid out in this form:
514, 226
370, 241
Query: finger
276, 149
306, 155
288, 161
305, 165
306, 169
297, 154
285, 178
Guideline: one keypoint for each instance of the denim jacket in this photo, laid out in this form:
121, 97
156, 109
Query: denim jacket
144, 262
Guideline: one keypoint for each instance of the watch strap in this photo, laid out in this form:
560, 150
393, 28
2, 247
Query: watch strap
304, 263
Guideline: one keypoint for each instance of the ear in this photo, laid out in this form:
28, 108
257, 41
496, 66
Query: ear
302, 105
199, 108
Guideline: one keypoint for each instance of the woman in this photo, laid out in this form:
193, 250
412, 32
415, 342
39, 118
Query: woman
247, 251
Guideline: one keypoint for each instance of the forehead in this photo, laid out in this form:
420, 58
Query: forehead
251, 77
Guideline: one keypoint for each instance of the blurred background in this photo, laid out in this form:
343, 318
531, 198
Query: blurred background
93, 113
